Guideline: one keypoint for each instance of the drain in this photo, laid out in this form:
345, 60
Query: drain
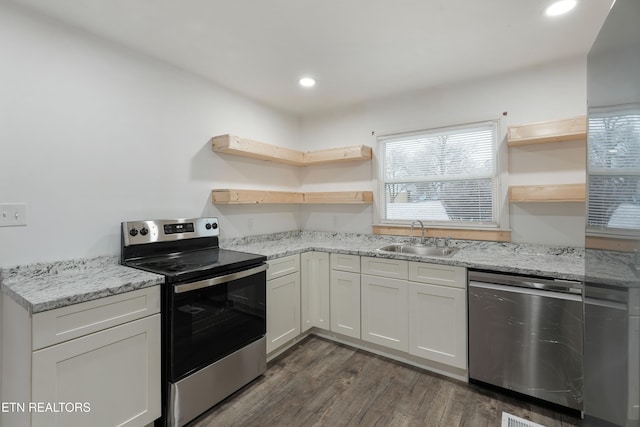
509, 420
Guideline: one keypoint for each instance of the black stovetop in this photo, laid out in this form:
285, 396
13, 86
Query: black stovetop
196, 264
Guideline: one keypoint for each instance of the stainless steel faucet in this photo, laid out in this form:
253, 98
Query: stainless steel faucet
422, 227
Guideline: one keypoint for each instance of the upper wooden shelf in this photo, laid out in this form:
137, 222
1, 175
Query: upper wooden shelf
339, 197
540, 133
234, 197
547, 193
243, 147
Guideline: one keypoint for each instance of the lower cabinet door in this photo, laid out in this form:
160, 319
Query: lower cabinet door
345, 303
108, 378
384, 312
283, 310
314, 290
438, 324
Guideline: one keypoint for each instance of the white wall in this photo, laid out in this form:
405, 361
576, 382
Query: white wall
92, 134
543, 93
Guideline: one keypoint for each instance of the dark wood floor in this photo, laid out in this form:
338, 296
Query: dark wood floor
321, 383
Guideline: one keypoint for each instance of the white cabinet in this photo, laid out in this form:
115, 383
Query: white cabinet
283, 301
384, 312
100, 358
345, 262
345, 294
345, 303
282, 266
110, 370
385, 267
438, 313
384, 302
438, 274
314, 290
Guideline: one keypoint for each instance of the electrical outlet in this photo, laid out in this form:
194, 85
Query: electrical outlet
13, 214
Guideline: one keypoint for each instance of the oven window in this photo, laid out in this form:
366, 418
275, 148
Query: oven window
208, 324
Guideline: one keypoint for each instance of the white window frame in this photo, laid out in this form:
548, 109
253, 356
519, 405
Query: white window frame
500, 205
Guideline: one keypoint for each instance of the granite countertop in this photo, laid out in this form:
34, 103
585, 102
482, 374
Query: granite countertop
540, 260
45, 286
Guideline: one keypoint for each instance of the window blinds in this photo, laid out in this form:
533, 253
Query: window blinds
613, 169
441, 175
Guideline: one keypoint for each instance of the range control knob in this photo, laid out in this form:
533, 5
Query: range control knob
214, 225
144, 231
133, 232
208, 226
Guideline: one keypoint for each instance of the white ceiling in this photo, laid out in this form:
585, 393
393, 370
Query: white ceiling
356, 49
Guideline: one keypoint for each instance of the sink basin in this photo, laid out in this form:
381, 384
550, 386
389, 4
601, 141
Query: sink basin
419, 250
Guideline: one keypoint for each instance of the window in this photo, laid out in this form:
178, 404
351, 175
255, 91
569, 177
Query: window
443, 176
613, 169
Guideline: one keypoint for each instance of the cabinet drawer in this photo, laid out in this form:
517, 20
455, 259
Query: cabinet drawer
62, 324
394, 268
438, 274
282, 266
345, 262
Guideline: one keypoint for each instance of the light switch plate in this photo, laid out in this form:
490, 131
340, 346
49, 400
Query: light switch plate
13, 214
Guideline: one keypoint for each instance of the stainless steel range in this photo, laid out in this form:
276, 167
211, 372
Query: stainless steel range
213, 311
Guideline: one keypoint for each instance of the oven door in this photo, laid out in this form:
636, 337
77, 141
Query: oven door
214, 317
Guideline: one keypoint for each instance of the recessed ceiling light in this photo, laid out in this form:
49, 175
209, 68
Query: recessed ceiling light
307, 82
560, 7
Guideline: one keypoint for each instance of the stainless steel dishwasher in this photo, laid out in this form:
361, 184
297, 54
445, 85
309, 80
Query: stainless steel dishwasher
525, 335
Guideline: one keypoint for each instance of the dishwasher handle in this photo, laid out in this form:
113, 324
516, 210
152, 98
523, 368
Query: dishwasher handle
553, 285
525, 291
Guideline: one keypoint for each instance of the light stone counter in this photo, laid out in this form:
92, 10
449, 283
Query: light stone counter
540, 260
40, 287
45, 286
612, 268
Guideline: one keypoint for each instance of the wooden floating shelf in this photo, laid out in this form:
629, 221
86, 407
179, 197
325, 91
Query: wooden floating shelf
547, 193
337, 155
339, 197
233, 197
243, 147
555, 131
231, 144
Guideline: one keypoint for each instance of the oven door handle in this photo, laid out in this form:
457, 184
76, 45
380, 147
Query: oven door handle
219, 280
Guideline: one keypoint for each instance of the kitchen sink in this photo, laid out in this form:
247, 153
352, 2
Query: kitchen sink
419, 250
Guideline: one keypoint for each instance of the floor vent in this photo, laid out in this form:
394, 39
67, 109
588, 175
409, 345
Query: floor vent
509, 420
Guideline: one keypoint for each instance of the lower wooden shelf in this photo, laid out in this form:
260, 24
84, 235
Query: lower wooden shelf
547, 193
231, 197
